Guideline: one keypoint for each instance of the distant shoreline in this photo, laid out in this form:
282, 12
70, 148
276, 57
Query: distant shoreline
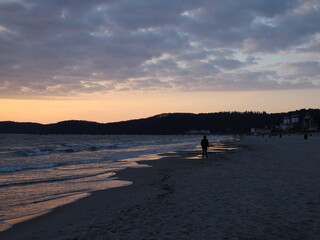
168, 124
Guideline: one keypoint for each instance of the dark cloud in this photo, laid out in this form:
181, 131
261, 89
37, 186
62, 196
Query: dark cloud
306, 69
67, 47
285, 31
312, 47
228, 63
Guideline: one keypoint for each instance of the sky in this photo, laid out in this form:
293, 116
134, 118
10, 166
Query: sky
114, 60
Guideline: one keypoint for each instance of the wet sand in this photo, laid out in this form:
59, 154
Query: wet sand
268, 190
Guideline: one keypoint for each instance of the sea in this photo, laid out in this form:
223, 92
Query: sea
41, 172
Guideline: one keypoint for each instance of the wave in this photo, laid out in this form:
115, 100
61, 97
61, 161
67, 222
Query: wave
98, 145
5, 169
33, 152
68, 148
124, 155
58, 179
16, 168
72, 148
131, 152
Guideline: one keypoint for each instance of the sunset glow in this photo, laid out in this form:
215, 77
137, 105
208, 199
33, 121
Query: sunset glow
124, 106
120, 60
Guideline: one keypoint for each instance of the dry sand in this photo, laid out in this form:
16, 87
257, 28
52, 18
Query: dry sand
270, 189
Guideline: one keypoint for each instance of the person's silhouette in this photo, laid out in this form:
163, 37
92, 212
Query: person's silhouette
205, 146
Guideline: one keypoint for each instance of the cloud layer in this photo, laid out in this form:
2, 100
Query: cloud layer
69, 47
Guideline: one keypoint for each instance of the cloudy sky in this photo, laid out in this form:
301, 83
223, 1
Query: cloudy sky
110, 60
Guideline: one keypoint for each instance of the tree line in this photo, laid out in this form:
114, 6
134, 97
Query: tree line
167, 123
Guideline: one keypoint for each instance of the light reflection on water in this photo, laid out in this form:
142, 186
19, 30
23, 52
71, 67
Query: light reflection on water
38, 173
23, 195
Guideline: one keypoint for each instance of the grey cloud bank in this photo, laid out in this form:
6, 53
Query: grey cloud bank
61, 47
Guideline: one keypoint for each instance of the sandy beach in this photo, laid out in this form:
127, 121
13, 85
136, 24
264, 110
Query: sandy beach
269, 189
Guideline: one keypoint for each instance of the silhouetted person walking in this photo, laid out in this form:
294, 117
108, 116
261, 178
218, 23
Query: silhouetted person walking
205, 146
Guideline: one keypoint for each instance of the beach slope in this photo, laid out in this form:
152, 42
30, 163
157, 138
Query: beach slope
269, 189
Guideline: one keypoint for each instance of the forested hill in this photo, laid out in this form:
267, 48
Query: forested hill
169, 123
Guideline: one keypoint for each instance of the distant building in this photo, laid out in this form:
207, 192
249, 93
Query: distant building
293, 123
198, 132
286, 120
309, 124
294, 119
290, 123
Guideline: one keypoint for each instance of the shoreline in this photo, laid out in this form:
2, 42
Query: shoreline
140, 161
112, 196
267, 190
20, 220
144, 162
14, 221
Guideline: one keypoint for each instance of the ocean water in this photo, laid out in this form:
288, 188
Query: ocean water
41, 172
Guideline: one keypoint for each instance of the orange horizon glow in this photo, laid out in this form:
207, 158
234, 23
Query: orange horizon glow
123, 106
